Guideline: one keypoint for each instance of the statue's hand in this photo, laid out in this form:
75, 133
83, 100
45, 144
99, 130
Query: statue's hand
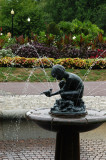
62, 83
48, 93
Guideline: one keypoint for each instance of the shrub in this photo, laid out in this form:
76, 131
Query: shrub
65, 47
97, 53
21, 40
65, 27
99, 42
35, 50
10, 42
73, 63
77, 27
53, 29
48, 62
42, 37
26, 50
3, 40
23, 62
82, 63
14, 48
46, 51
6, 53
69, 52
45, 62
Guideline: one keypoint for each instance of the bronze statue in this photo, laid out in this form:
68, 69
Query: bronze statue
71, 92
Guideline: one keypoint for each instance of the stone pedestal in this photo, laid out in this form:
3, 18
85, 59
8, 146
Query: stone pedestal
68, 130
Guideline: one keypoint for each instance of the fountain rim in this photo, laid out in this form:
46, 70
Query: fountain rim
87, 119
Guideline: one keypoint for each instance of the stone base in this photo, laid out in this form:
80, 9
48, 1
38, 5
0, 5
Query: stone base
68, 115
69, 108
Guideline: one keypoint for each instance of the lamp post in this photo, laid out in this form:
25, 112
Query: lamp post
12, 13
28, 27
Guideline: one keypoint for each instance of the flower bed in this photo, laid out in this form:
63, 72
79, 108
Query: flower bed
35, 50
76, 63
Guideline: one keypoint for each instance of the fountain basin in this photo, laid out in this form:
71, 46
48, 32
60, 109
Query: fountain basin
80, 124
68, 129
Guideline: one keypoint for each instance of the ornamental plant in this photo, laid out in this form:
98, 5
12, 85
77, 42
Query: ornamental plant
45, 62
6, 53
98, 53
3, 40
48, 62
46, 51
27, 50
99, 42
21, 40
73, 63
77, 27
9, 43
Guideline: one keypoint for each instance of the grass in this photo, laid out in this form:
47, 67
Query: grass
10, 74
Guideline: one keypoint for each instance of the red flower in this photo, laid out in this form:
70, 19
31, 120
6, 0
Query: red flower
96, 56
98, 50
92, 57
1, 29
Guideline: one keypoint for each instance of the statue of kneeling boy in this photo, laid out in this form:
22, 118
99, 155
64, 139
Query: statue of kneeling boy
71, 92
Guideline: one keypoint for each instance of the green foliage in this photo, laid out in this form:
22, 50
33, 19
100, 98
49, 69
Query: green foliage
77, 27
6, 53
100, 18
53, 29
10, 42
49, 39
45, 12
23, 9
60, 10
84, 10
65, 26
42, 36
21, 40
45, 38
3, 40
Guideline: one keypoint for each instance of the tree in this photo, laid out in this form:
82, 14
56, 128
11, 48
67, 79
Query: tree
53, 29
23, 9
60, 10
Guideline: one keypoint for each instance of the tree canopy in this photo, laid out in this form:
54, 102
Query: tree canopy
68, 10
22, 10
43, 12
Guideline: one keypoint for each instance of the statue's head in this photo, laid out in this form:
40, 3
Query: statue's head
58, 72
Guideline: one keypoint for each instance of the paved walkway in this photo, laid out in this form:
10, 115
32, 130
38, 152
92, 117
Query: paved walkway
97, 88
43, 149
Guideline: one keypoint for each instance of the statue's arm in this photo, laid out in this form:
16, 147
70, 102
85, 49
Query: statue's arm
58, 92
65, 86
71, 93
49, 92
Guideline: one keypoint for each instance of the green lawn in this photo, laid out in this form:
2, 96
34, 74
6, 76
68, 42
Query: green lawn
9, 74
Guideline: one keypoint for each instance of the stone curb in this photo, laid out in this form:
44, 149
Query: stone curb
13, 114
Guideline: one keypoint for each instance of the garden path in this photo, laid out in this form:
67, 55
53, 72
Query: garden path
97, 88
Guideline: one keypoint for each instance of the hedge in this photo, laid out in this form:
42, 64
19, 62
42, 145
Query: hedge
76, 63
